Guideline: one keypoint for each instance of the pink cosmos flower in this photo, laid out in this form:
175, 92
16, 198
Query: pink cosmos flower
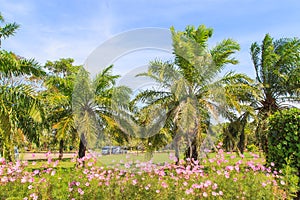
80, 191
53, 173
34, 196
4, 179
226, 174
164, 185
237, 168
35, 172
55, 163
24, 179
205, 194
215, 186
127, 165
189, 191
134, 182
229, 168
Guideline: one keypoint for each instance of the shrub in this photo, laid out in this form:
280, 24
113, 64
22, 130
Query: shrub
252, 148
284, 139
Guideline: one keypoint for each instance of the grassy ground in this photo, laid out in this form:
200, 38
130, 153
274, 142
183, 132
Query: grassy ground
121, 159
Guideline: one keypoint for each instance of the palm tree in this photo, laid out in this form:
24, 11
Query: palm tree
277, 67
12, 115
96, 104
20, 108
9, 29
189, 89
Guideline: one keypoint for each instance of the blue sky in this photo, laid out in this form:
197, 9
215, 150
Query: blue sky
74, 28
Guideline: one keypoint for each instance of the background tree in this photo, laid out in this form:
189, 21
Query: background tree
9, 29
21, 113
96, 104
189, 89
58, 100
277, 66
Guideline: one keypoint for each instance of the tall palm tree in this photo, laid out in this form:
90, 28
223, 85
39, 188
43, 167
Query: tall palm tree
9, 29
190, 91
277, 66
20, 108
96, 104
17, 105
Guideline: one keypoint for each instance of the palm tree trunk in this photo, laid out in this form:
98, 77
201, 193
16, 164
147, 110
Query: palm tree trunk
176, 147
61, 149
191, 151
7, 150
241, 144
82, 146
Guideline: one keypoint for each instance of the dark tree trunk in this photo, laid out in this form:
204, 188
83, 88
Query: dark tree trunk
82, 146
191, 151
298, 193
61, 149
7, 152
176, 146
241, 144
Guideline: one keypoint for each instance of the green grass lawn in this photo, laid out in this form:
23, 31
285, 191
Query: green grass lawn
120, 159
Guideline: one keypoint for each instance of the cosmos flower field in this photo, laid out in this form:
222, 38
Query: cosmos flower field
224, 175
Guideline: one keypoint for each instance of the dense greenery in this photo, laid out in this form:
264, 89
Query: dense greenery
59, 106
277, 66
284, 140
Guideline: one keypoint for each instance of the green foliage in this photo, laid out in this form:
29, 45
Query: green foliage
57, 99
190, 91
290, 179
252, 148
9, 29
277, 66
284, 141
284, 138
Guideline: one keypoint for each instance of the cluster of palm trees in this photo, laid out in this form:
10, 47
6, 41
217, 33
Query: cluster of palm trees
60, 103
